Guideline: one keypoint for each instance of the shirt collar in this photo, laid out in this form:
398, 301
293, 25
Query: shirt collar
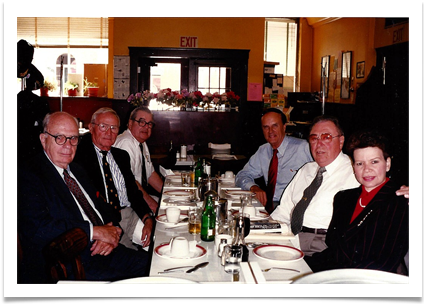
335, 164
282, 147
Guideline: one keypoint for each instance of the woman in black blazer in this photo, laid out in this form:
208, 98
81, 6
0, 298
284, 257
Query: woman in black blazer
369, 227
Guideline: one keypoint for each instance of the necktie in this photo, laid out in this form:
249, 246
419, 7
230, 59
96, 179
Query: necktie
308, 194
112, 191
272, 180
82, 200
144, 179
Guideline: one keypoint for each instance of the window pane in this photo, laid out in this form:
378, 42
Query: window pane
214, 79
203, 77
165, 75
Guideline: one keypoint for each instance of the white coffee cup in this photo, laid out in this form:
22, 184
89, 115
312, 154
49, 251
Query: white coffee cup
172, 214
219, 237
229, 174
250, 209
179, 247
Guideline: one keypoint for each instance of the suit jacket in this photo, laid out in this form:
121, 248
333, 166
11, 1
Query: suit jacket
376, 239
87, 158
46, 209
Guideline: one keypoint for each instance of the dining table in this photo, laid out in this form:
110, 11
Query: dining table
273, 259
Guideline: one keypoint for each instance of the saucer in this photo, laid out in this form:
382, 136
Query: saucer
164, 252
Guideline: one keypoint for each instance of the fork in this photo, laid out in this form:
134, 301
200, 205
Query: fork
268, 269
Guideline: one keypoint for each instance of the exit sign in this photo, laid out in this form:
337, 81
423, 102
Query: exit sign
191, 42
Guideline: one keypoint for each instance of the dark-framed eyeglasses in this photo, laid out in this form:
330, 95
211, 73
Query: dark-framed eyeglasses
62, 139
104, 127
142, 123
325, 137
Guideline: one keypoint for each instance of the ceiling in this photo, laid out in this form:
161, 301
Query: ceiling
317, 21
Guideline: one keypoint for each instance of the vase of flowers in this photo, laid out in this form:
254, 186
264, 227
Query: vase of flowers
47, 86
71, 88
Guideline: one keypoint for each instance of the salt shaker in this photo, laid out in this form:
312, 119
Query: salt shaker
222, 244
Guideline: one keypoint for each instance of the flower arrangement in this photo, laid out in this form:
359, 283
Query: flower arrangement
185, 98
50, 86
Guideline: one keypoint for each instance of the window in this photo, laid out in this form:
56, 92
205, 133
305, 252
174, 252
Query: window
206, 70
77, 41
280, 46
213, 79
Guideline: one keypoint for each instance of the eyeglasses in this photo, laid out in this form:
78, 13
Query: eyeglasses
104, 127
142, 123
62, 139
325, 137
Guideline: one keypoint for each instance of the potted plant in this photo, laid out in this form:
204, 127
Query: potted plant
47, 86
90, 88
71, 88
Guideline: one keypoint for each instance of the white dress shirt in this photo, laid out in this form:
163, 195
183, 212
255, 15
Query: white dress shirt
128, 142
339, 176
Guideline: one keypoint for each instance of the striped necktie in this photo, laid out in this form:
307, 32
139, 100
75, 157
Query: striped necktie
82, 200
109, 181
308, 194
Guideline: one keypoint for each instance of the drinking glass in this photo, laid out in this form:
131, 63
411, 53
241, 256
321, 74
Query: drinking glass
186, 179
194, 220
232, 256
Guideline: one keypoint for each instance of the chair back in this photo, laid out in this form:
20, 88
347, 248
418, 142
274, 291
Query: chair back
63, 250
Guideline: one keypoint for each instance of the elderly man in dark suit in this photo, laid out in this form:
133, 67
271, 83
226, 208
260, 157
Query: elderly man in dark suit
54, 196
110, 171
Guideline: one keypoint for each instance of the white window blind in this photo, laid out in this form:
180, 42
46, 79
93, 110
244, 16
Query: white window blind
63, 31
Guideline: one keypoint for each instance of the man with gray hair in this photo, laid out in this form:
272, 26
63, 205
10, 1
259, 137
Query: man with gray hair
109, 169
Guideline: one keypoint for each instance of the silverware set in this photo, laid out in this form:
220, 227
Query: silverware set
181, 268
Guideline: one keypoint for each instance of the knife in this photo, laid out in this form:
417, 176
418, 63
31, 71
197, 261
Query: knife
177, 268
201, 265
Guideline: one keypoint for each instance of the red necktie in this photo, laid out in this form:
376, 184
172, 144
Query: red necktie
272, 180
87, 208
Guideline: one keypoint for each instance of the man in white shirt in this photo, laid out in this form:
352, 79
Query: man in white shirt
326, 141
133, 140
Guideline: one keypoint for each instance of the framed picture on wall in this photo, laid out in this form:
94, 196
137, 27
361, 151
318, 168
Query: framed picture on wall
325, 71
346, 75
360, 69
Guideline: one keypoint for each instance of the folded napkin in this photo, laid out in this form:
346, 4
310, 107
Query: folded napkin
268, 231
164, 172
219, 146
224, 156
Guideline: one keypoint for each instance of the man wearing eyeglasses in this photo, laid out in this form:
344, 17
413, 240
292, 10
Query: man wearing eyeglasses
55, 195
326, 141
133, 140
109, 168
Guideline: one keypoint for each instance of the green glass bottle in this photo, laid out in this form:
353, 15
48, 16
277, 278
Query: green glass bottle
198, 171
208, 221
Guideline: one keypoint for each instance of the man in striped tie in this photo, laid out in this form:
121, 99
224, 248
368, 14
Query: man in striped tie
110, 171
56, 195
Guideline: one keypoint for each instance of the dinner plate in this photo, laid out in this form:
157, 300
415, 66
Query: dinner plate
260, 215
164, 252
224, 156
155, 280
353, 276
179, 202
179, 193
163, 219
237, 193
278, 253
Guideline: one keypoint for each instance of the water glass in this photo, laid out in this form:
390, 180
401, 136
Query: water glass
232, 256
186, 179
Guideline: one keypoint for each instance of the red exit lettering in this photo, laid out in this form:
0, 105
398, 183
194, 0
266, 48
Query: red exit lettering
191, 42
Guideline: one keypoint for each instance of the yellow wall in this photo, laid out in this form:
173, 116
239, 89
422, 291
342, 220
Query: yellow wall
345, 34
221, 33
359, 35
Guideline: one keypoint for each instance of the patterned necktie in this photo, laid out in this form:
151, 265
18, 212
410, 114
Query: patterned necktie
82, 200
144, 179
308, 194
112, 191
272, 180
